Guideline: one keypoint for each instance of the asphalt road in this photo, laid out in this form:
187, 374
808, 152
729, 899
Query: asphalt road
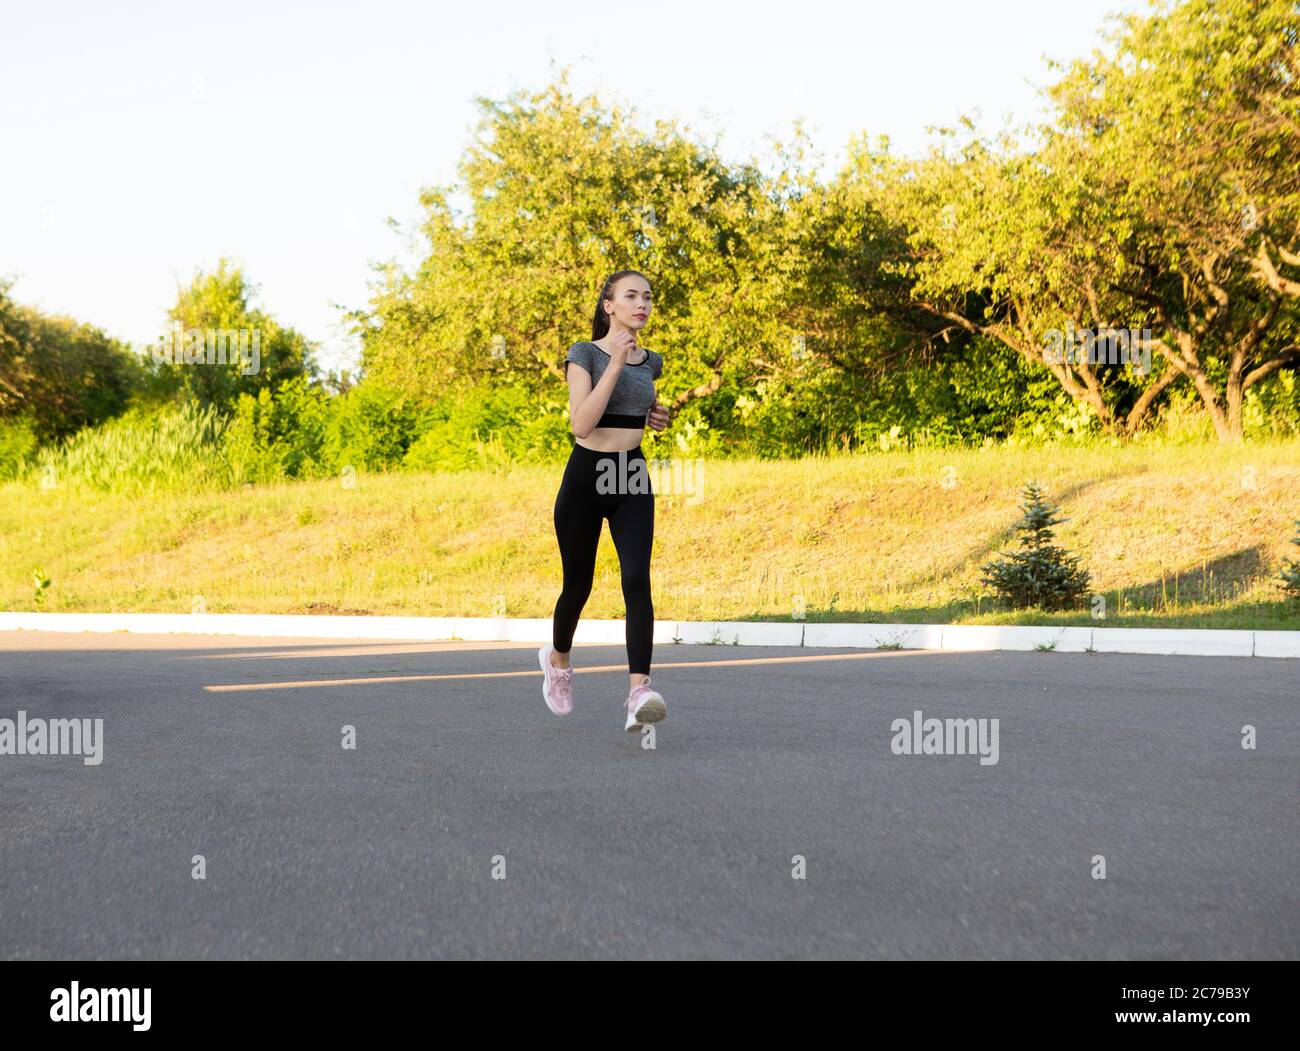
612, 849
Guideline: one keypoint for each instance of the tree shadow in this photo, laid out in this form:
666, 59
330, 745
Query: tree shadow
1211, 583
981, 551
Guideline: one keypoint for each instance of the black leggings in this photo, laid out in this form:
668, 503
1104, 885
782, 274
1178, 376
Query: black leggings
611, 485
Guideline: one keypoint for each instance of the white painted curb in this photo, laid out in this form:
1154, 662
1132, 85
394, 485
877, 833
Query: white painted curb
1277, 644
1170, 641
957, 637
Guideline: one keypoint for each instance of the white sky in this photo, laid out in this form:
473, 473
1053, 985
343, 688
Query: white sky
142, 141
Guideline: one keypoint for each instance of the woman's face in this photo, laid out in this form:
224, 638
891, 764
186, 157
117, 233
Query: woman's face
630, 303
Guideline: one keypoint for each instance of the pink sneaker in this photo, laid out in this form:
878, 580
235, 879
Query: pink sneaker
644, 705
557, 683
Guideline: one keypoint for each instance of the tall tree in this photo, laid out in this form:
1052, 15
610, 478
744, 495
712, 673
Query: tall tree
217, 305
60, 373
1142, 205
1190, 132
562, 193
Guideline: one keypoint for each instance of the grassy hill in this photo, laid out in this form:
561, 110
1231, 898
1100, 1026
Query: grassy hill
1191, 536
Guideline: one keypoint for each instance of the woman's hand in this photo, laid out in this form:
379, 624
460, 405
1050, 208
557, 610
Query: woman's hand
659, 417
623, 344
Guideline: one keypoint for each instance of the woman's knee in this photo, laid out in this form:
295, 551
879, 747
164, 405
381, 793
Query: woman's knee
576, 590
636, 581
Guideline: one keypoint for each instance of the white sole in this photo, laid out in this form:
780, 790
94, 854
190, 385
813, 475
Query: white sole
651, 710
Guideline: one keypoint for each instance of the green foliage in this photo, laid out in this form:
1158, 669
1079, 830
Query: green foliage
166, 449
767, 420
1291, 571
371, 428
221, 302
974, 393
1040, 575
491, 426
40, 584
17, 446
1169, 167
1272, 408
562, 194
280, 435
984, 392
1205, 93
59, 374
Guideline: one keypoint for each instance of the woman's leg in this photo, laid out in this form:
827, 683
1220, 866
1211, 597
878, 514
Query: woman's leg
577, 528
632, 525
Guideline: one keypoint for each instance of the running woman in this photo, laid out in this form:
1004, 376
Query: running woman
611, 400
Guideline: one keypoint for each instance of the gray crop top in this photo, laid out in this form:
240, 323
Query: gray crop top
634, 391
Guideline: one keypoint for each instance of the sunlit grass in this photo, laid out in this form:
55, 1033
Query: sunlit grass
1192, 535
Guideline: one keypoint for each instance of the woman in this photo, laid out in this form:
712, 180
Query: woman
611, 399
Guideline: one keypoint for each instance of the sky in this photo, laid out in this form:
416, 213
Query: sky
141, 142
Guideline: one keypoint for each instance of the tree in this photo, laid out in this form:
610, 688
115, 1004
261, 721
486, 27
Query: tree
1040, 574
220, 302
845, 291
1191, 133
1143, 205
59, 373
994, 250
562, 193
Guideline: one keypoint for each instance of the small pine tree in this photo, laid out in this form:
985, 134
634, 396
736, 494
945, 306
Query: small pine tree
1291, 571
1040, 574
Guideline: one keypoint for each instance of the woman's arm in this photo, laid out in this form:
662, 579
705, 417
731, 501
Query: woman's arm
587, 404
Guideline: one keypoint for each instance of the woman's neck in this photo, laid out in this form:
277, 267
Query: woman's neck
637, 346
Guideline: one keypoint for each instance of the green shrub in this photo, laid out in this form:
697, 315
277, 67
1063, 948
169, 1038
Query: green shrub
1040, 574
370, 428
169, 449
280, 435
1271, 408
491, 427
17, 446
61, 375
1291, 571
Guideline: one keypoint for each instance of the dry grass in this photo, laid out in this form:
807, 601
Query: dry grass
1188, 535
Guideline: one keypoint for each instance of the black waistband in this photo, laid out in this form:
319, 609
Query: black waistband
635, 453
614, 420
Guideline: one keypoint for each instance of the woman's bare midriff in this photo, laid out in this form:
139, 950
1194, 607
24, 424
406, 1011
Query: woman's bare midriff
611, 439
